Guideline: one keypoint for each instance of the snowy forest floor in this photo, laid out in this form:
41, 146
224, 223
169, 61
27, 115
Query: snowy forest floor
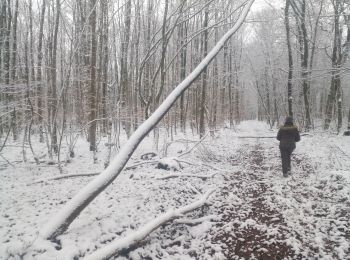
254, 213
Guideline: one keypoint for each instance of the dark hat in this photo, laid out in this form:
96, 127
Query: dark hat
289, 120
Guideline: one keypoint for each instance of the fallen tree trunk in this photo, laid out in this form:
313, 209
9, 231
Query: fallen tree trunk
114, 248
66, 176
71, 210
63, 176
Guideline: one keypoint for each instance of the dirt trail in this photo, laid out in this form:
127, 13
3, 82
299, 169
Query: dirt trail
265, 216
250, 228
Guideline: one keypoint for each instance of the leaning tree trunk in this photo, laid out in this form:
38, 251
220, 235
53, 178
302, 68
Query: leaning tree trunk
80, 201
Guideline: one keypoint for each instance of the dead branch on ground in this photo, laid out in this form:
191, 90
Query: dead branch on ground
114, 248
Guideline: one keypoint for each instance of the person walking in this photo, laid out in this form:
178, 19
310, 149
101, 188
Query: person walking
288, 135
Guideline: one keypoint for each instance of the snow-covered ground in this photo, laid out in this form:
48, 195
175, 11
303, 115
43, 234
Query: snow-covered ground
253, 213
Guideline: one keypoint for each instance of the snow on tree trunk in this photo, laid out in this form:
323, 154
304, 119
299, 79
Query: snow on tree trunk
62, 219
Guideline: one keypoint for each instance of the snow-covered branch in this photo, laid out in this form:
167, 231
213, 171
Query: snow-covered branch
169, 176
196, 221
194, 146
63, 176
200, 164
116, 246
80, 201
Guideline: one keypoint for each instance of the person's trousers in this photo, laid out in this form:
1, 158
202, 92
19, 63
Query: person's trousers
286, 153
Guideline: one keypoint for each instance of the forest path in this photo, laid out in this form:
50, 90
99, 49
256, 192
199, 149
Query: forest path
250, 226
267, 216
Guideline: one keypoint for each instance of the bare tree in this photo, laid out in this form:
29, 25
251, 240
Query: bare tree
53, 104
183, 62
290, 59
40, 92
204, 75
92, 90
338, 58
303, 39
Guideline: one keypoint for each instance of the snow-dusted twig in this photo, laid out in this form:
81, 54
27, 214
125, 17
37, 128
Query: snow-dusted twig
167, 145
193, 188
168, 176
138, 164
196, 221
199, 164
213, 167
194, 146
7, 161
63, 176
341, 150
115, 247
7, 135
187, 162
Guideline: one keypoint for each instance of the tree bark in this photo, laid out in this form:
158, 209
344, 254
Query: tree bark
290, 60
13, 70
40, 91
304, 43
14, 44
3, 36
231, 90
105, 124
54, 102
92, 90
204, 75
7, 46
162, 69
125, 84
335, 89
183, 61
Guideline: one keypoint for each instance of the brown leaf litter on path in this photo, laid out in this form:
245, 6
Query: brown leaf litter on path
250, 228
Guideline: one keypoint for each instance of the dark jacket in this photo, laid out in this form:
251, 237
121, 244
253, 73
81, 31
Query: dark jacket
288, 135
